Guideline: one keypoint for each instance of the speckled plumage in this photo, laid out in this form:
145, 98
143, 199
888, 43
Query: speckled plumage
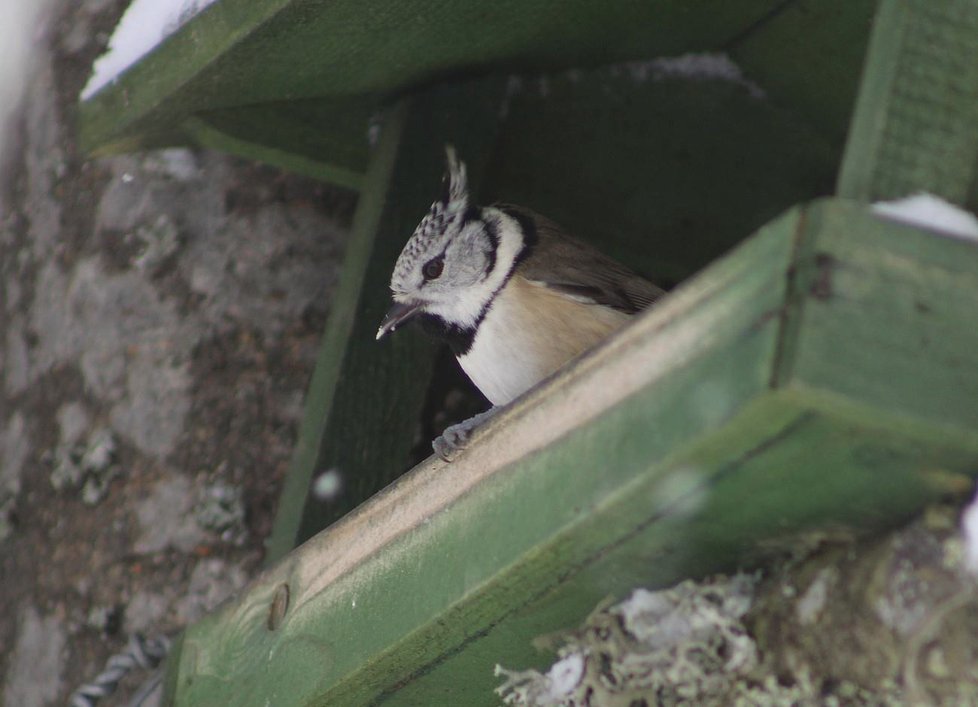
440, 225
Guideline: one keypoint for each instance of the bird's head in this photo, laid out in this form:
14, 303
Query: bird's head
445, 268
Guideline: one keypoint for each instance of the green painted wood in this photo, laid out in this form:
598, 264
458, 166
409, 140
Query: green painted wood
914, 126
204, 134
807, 58
325, 138
266, 72
243, 52
908, 356
639, 165
365, 398
679, 447
704, 511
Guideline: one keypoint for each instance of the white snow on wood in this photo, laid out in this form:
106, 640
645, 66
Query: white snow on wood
693, 67
931, 212
144, 25
686, 67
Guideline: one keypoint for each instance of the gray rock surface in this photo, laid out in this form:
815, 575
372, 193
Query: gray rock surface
37, 662
160, 314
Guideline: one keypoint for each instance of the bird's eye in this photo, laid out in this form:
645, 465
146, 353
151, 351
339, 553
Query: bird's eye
432, 269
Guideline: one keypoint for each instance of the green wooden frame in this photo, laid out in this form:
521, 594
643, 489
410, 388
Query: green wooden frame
676, 448
822, 374
296, 82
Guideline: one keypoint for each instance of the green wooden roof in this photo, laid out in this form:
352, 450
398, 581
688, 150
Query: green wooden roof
295, 82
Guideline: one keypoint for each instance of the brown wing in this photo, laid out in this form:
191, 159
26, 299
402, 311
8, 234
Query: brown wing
563, 263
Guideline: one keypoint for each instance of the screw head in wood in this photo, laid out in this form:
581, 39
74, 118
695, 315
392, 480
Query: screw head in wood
278, 607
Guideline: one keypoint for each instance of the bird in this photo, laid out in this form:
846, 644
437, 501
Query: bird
514, 295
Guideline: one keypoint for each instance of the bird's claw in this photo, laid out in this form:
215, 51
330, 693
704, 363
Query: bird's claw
450, 443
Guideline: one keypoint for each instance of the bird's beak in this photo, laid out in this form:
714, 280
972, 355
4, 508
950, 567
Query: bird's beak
399, 313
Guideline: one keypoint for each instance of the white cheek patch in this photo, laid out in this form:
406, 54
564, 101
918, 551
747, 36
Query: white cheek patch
464, 291
466, 305
463, 309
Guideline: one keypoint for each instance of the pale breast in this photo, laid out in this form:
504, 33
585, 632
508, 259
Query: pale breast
528, 333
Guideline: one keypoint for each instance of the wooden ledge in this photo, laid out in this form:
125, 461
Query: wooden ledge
678, 448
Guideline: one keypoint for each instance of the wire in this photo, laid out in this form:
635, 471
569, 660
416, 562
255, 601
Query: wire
141, 652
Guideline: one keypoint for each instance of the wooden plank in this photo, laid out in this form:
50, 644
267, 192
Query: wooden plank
696, 517
910, 355
246, 52
322, 133
432, 506
365, 398
326, 138
666, 452
914, 126
204, 134
818, 78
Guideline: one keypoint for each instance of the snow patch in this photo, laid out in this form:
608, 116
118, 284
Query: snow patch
144, 26
686, 67
693, 67
931, 212
328, 485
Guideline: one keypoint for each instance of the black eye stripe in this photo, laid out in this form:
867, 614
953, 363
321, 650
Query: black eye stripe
492, 233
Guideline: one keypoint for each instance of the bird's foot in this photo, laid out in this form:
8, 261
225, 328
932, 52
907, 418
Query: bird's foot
450, 443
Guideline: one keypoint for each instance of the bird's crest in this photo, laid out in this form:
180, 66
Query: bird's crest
442, 222
456, 195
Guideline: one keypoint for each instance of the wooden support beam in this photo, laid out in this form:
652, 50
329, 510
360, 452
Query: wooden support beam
240, 53
365, 399
914, 128
767, 397
323, 138
204, 134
